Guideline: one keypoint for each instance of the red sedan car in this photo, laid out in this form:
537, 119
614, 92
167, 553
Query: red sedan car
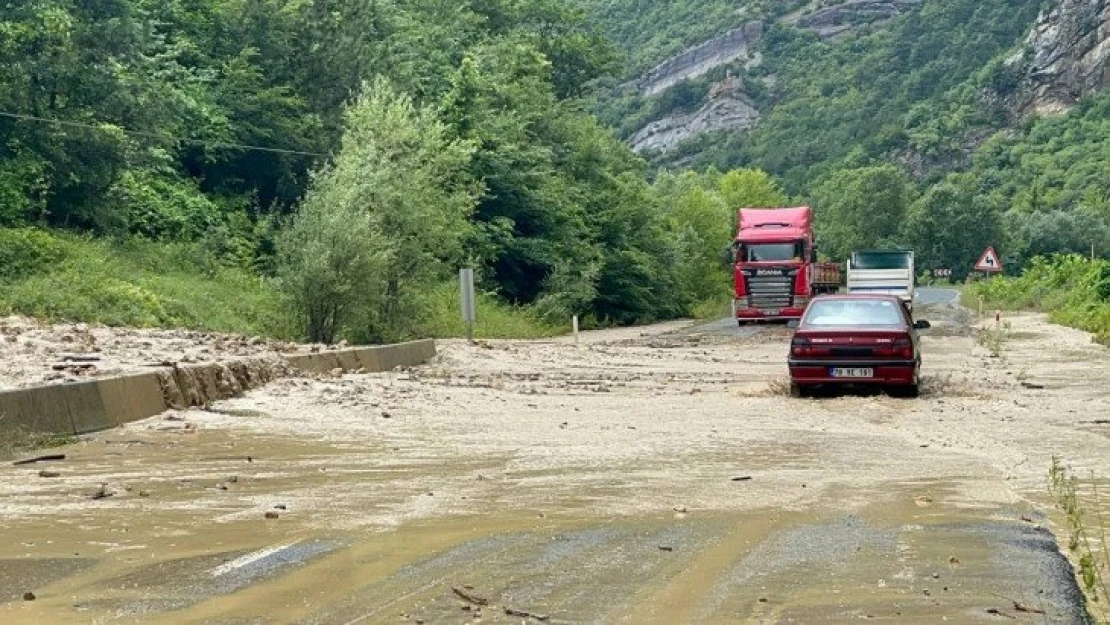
859, 340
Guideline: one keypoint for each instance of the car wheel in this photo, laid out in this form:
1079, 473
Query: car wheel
910, 391
797, 390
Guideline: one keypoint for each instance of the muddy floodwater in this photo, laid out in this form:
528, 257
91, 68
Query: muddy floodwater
649, 475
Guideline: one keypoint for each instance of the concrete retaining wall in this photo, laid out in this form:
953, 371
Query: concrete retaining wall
83, 407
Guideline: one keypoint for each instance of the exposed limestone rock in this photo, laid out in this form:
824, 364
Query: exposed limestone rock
829, 21
197, 385
726, 48
728, 108
1067, 56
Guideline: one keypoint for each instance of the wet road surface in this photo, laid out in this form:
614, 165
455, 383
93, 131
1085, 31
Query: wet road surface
653, 475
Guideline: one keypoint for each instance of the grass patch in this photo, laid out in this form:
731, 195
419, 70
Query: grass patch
1073, 290
59, 276
1087, 545
138, 283
494, 317
712, 309
14, 441
994, 339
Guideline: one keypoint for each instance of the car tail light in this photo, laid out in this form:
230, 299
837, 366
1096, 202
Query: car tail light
800, 346
900, 348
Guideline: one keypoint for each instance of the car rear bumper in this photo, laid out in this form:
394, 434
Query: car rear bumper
883, 371
755, 314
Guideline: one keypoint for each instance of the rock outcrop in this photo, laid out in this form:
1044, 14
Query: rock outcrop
728, 108
832, 20
734, 45
1067, 56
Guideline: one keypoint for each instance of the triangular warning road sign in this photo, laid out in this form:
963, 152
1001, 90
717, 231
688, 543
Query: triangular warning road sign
989, 261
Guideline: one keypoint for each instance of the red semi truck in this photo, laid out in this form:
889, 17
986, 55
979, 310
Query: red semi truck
775, 264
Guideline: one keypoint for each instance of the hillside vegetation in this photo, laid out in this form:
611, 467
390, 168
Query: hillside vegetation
321, 169
201, 125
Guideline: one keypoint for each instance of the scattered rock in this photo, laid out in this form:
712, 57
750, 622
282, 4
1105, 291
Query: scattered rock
46, 458
741, 478
337, 372
464, 594
144, 493
45, 473
523, 614
270, 514
1021, 607
281, 506
103, 493
29, 596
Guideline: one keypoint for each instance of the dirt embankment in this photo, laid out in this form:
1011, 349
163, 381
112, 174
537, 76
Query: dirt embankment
33, 352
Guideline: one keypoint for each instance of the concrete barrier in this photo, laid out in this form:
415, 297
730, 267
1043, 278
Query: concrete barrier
370, 359
99, 404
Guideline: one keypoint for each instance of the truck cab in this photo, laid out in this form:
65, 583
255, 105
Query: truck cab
775, 268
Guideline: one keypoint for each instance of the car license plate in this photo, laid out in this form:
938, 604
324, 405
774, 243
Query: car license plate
773, 312
853, 372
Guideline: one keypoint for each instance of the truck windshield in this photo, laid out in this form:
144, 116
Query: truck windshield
764, 252
881, 260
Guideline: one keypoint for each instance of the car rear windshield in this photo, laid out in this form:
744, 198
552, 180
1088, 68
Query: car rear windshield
861, 312
881, 260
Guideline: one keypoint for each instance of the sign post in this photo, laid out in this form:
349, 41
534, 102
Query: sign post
466, 290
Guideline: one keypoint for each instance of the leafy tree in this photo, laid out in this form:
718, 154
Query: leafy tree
861, 208
951, 225
381, 224
751, 188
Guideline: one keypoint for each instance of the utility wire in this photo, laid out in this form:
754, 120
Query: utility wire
153, 135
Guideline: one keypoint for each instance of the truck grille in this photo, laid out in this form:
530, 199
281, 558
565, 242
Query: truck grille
770, 292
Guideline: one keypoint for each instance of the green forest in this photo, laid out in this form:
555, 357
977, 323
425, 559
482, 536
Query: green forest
320, 169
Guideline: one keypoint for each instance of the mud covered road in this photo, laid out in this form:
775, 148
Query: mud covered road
651, 475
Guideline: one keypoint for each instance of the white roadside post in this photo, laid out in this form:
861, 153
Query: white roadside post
466, 289
574, 325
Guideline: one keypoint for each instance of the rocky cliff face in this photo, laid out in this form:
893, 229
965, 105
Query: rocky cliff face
1067, 56
727, 108
726, 48
829, 21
